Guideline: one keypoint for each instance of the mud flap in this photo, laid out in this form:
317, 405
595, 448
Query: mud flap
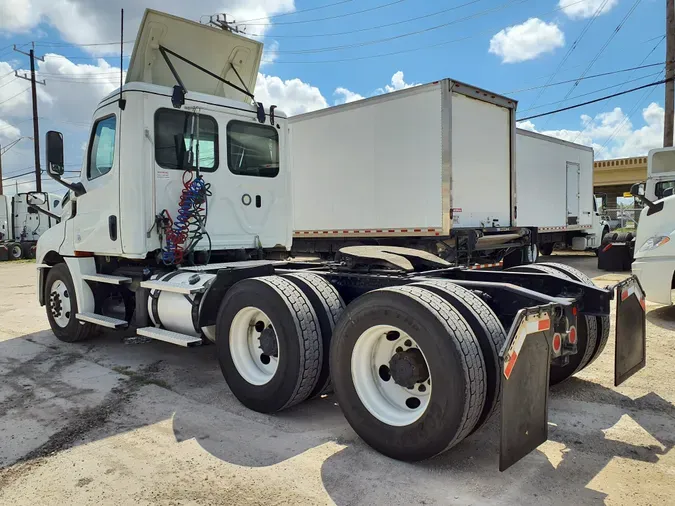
525, 360
630, 354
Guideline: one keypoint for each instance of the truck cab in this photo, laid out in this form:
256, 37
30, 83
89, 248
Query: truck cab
169, 122
654, 263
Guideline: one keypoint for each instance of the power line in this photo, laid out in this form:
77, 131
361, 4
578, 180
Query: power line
349, 32
604, 74
593, 92
370, 9
607, 97
9, 82
14, 96
605, 45
403, 35
412, 50
569, 52
287, 13
70, 44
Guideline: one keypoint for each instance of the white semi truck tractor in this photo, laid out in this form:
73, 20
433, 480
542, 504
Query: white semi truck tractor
24, 217
180, 230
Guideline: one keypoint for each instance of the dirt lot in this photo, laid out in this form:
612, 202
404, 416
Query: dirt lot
105, 422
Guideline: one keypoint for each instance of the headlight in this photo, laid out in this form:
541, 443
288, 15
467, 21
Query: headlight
654, 242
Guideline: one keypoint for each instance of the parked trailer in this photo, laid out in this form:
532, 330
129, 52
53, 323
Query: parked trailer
24, 217
420, 353
410, 169
555, 193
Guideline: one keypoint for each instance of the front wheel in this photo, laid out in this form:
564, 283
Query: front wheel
61, 304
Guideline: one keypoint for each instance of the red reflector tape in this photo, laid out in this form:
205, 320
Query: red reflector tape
606, 248
643, 303
624, 294
508, 368
544, 324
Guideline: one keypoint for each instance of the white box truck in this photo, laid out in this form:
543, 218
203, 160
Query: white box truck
432, 166
24, 217
554, 184
178, 229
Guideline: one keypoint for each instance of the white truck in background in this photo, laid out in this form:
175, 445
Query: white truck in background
24, 217
182, 229
654, 254
430, 167
554, 183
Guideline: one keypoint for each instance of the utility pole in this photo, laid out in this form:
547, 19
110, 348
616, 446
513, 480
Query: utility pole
670, 74
36, 126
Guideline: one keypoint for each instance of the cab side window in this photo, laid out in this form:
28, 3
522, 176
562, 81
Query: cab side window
662, 187
101, 147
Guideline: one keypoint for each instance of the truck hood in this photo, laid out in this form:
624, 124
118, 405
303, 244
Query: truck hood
217, 50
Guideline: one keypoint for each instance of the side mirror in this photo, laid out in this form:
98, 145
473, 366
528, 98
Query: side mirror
668, 192
54, 154
637, 190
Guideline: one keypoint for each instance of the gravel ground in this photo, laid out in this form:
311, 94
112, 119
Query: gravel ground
104, 422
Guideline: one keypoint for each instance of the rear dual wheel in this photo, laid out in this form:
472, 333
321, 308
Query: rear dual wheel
408, 372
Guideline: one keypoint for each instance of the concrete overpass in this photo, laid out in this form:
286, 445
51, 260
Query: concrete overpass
611, 178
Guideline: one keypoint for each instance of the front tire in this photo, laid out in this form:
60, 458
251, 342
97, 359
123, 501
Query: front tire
268, 342
408, 372
546, 249
61, 304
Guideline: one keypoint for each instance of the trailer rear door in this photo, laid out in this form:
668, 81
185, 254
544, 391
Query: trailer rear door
573, 172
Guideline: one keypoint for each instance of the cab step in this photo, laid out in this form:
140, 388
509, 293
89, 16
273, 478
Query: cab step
170, 337
168, 286
102, 321
107, 278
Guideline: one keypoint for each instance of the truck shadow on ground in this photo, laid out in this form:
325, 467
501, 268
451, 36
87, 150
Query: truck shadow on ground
91, 391
663, 317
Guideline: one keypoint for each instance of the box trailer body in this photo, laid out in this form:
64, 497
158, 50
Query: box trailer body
418, 351
554, 184
408, 164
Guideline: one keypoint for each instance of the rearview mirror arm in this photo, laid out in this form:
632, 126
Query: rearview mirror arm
77, 188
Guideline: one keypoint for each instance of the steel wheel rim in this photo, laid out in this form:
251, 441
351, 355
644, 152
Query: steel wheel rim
386, 400
532, 253
59, 303
245, 346
16, 251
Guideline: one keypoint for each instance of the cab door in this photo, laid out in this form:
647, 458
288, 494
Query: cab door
96, 224
573, 172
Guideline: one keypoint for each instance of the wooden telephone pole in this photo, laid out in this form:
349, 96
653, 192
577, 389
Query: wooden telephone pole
670, 74
36, 126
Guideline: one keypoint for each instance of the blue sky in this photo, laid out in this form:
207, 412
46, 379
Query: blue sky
304, 75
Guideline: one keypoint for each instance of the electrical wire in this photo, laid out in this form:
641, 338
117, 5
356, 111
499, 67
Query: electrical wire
338, 16
404, 35
569, 52
14, 96
286, 13
70, 44
349, 32
411, 50
607, 97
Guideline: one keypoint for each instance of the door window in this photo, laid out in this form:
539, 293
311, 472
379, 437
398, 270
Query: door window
173, 128
252, 149
662, 187
102, 147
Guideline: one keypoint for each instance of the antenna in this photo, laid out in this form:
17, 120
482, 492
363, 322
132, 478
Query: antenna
122, 103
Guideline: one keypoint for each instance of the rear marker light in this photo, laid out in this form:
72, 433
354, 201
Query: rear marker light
574, 310
573, 335
557, 343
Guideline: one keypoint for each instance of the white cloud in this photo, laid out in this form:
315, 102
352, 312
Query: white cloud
345, 96
612, 134
293, 96
397, 83
526, 41
87, 21
270, 53
580, 10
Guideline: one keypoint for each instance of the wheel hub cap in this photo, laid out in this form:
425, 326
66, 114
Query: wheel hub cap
408, 368
268, 342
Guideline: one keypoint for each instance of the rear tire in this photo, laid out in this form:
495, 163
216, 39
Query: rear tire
587, 331
328, 306
61, 304
488, 330
546, 249
28, 250
268, 371
441, 410
15, 251
602, 322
